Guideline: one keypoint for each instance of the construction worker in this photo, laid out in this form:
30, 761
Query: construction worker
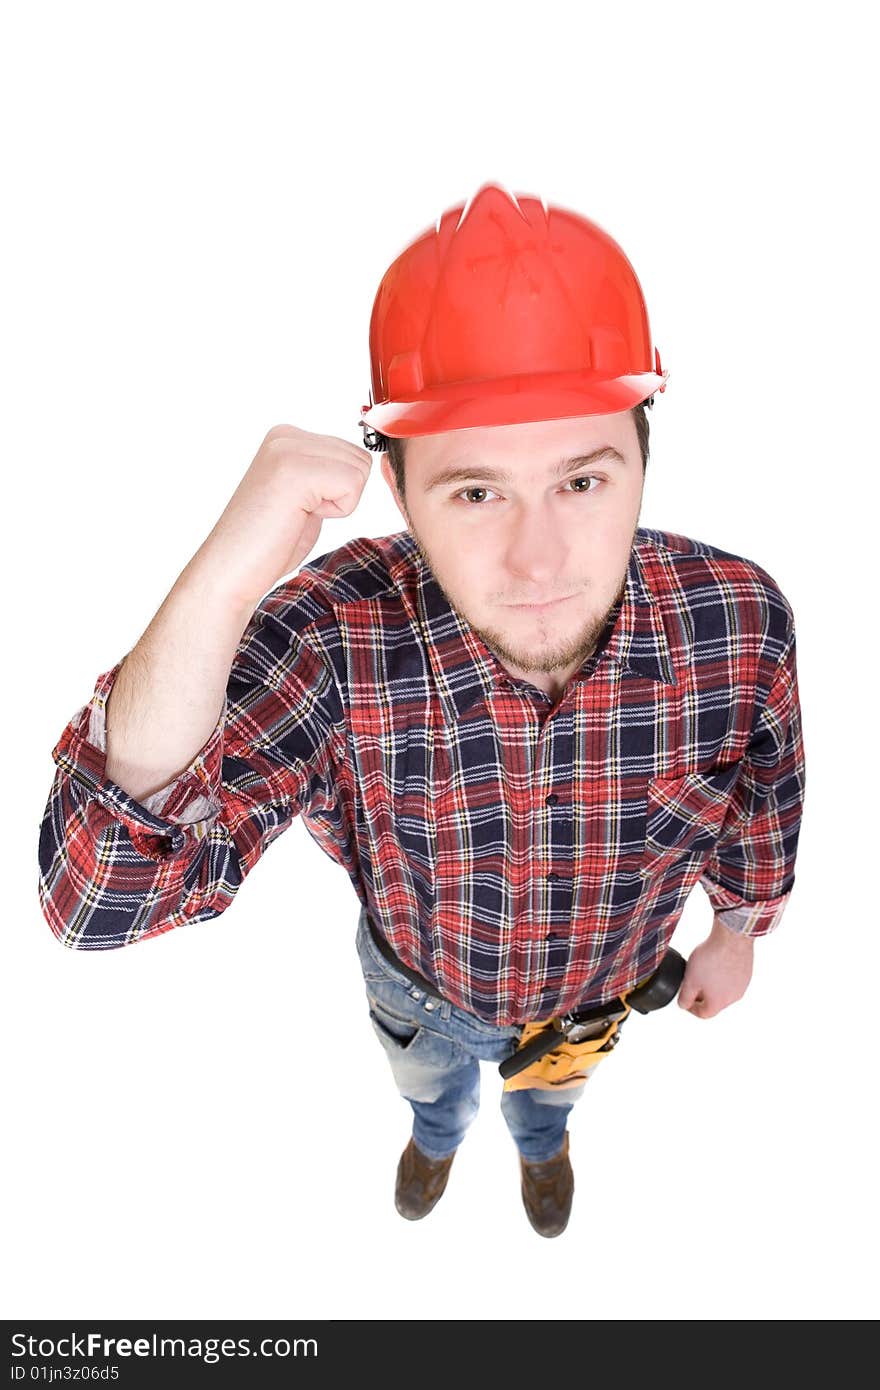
525, 726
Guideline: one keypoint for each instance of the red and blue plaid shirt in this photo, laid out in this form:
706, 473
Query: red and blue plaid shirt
527, 854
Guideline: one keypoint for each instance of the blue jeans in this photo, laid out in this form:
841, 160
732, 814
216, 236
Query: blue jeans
435, 1050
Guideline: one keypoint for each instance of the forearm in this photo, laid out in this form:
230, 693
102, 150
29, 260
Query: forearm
169, 693
737, 944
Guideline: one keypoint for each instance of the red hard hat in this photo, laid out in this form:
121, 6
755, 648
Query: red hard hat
506, 311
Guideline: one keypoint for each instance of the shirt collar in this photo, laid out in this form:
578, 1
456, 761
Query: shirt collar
467, 671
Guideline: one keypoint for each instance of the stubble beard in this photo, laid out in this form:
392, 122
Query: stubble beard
560, 655
543, 659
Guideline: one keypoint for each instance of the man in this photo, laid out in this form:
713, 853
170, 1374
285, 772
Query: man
525, 726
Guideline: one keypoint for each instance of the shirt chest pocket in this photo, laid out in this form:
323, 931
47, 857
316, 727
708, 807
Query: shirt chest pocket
685, 814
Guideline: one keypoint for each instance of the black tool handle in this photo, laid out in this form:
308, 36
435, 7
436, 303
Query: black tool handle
661, 987
540, 1044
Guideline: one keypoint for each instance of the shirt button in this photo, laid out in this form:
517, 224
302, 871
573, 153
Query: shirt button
551, 800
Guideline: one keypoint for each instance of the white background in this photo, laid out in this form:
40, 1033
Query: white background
199, 203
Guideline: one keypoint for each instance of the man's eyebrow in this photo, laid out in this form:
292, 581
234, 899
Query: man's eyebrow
472, 472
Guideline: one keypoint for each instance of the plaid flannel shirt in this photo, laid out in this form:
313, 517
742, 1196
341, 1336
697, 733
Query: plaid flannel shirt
528, 854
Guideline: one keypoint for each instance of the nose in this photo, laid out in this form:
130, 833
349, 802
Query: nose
536, 552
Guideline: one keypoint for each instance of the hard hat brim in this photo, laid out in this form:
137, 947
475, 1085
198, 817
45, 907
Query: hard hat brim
518, 400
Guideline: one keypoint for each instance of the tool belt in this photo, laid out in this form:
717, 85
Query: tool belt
559, 1062
560, 1053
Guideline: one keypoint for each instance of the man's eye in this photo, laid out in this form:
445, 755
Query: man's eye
470, 489
582, 478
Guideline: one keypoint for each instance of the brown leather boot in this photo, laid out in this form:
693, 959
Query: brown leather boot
421, 1182
547, 1191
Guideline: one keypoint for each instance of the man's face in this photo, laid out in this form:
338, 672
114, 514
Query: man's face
542, 534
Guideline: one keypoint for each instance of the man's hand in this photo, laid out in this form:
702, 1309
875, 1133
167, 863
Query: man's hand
717, 973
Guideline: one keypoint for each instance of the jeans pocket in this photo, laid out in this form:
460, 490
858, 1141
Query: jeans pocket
395, 1034
418, 1053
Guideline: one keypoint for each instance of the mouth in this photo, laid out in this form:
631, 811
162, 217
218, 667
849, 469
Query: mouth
540, 607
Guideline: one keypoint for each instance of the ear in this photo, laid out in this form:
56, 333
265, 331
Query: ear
388, 475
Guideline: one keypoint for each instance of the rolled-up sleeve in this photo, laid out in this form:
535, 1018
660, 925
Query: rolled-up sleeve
750, 875
113, 870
